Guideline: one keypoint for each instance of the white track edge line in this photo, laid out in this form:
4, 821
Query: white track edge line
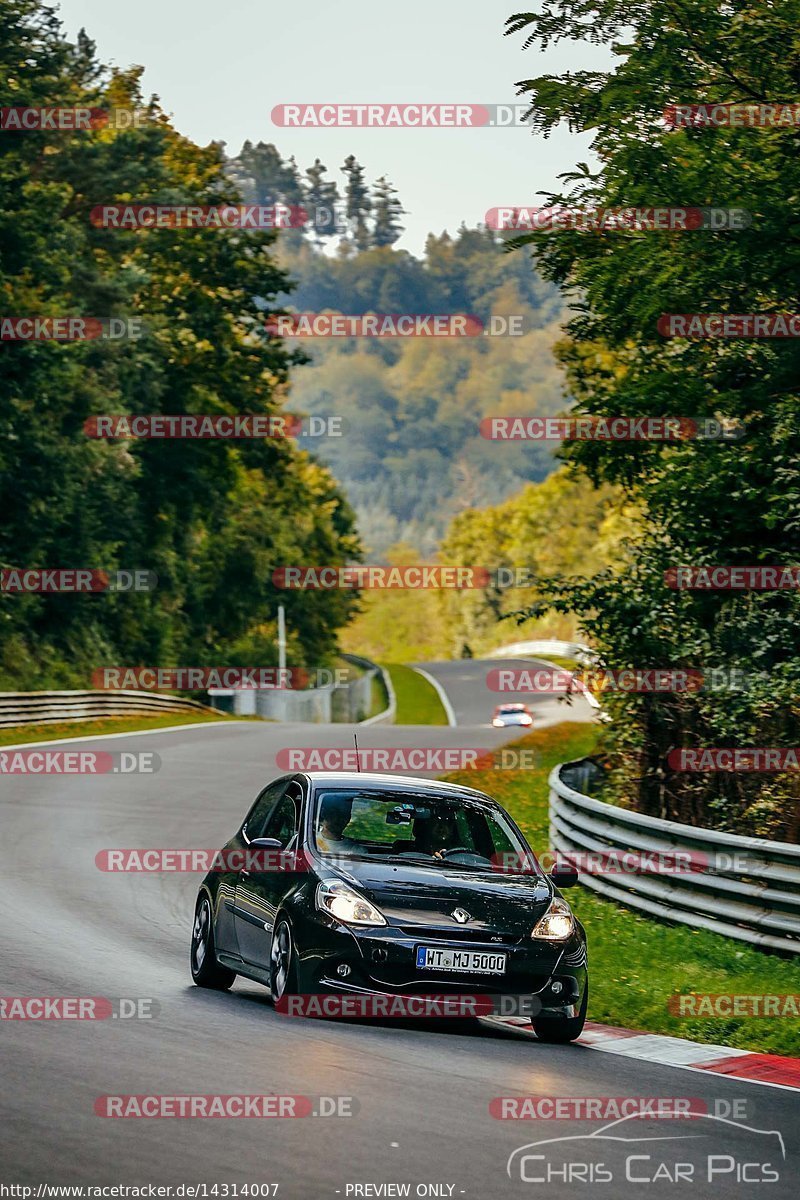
99, 737
441, 693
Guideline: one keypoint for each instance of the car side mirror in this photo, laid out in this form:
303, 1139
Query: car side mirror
564, 875
266, 843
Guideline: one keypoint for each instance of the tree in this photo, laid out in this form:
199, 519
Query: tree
261, 174
413, 406
212, 519
321, 201
562, 525
358, 203
388, 210
703, 502
293, 192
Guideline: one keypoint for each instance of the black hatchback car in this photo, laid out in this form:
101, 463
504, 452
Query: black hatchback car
378, 884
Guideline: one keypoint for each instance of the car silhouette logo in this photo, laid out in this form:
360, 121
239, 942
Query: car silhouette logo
461, 915
603, 1135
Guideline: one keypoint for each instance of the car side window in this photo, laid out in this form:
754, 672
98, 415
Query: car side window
284, 820
260, 812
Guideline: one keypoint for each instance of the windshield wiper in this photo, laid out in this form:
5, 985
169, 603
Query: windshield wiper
431, 861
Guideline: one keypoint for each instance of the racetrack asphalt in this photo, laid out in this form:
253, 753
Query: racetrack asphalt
421, 1091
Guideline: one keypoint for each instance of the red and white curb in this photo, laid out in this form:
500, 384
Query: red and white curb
772, 1070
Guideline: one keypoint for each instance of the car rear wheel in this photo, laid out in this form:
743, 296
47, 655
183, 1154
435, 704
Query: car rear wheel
206, 971
282, 969
560, 1030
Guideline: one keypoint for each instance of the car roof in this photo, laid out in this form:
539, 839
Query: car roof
377, 780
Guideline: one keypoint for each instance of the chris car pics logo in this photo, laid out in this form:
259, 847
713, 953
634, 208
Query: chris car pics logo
703, 1149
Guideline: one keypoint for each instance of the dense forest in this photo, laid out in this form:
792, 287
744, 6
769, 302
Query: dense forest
412, 456
699, 503
211, 519
561, 526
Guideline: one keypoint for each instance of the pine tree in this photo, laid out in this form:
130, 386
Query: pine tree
358, 202
261, 173
321, 198
293, 190
388, 210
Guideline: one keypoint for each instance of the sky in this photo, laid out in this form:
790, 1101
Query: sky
220, 68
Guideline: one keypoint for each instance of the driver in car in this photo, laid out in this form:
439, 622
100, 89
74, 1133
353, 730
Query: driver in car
334, 817
440, 834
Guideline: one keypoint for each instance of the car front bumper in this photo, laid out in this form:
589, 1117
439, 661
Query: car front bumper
382, 962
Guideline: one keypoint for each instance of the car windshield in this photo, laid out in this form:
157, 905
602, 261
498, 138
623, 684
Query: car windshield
428, 828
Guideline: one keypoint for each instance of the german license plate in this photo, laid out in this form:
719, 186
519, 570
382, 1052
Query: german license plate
477, 962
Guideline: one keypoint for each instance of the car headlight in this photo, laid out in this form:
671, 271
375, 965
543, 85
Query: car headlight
498, 724
557, 923
347, 905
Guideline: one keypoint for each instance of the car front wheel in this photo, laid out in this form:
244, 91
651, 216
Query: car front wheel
560, 1030
206, 971
282, 969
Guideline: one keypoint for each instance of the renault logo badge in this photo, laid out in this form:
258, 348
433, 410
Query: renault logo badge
461, 915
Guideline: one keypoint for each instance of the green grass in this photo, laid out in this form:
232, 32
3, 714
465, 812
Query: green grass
637, 962
17, 734
417, 701
379, 700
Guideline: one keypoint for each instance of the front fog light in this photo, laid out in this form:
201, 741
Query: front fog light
344, 903
557, 924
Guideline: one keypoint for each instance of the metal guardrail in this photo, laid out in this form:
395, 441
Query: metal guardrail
747, 888
387, 716
46, 708
574, 650
337, 703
